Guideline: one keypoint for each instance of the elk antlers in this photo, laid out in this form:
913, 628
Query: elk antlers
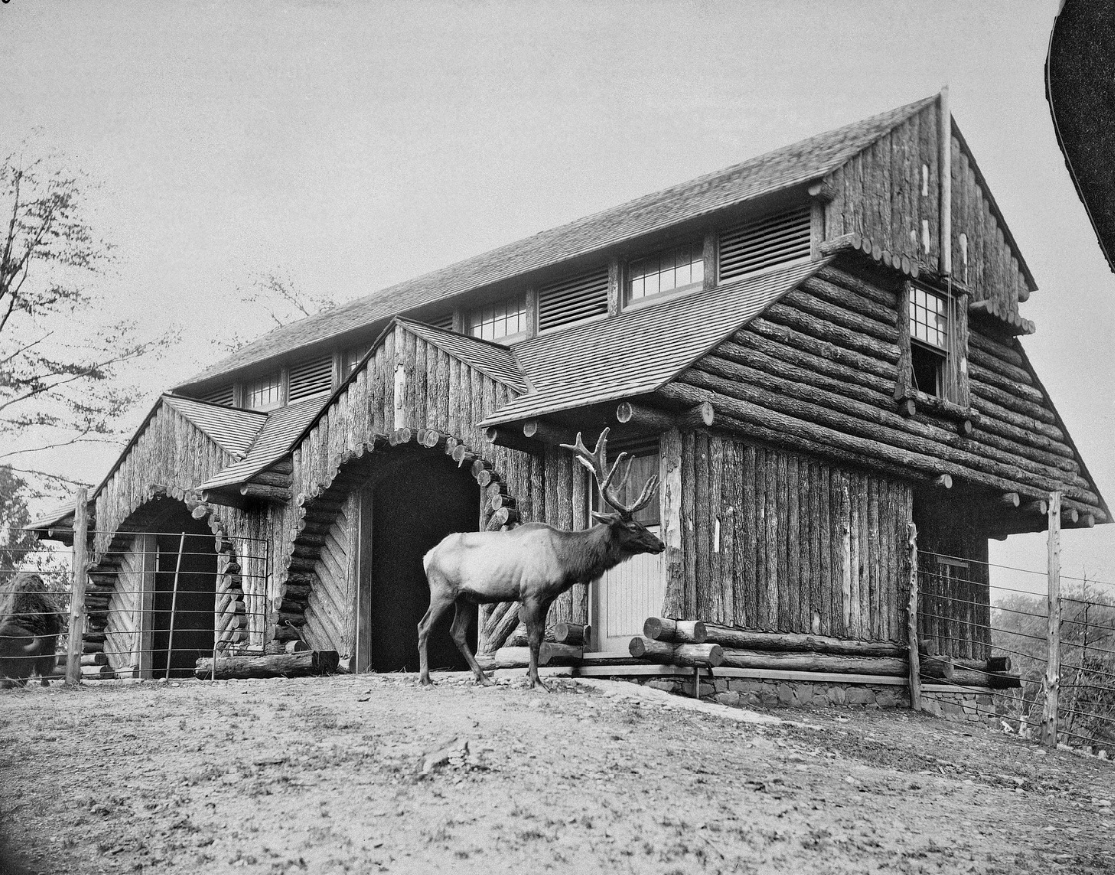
597, 461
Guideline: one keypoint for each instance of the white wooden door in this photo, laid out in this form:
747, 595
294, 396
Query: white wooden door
624, 597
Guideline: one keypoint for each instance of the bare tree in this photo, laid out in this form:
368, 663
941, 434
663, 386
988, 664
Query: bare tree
58, 360
281, 299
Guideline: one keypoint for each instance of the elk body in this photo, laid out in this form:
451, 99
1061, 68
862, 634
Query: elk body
533, 563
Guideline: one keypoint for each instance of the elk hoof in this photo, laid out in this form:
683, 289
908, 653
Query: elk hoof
533, 683
482, 680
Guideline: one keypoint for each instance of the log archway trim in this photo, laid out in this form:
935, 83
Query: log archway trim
315, 511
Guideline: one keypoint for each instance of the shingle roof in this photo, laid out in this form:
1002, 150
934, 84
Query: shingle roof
498, 362
640, 350
231, 429
274, 441
783, 168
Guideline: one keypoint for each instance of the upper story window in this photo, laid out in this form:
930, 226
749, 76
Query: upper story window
933, 339
929, 348
572, 300
350, 358
500, 320
266, 393
676, 269
311, 377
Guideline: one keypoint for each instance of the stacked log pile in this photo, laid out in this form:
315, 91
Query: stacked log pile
563, 644
698, 644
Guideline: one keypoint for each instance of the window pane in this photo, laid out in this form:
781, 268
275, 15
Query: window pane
499, 320
679, 267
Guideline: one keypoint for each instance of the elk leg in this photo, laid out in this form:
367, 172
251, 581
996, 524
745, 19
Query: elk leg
535, 617
459, 633
440, 600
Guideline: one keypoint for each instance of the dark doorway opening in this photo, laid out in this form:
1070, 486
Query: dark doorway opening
427, 498
190, 614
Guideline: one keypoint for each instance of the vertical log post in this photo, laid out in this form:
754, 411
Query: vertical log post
1052, 681
912, 619
174, 605
77, 590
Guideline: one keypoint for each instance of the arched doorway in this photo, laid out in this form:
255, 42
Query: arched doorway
401, 517
183, 593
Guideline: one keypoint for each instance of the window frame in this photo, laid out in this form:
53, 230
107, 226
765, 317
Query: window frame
698, 243
951, 396
525, 317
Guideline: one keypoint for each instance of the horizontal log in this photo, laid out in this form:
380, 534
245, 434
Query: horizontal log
972, 678
498, 501
547, 432
852, 301
506, 436
937, 667
652, 419
802, 398
552, 653
819, 662
431, 439
94, 659
97, 672
697, 655
505, 657
399, 436
271, 478
518, 638
677, 631
742, 639
863, 439
572, 633
265, 493
994, 663
505, 516
307, 662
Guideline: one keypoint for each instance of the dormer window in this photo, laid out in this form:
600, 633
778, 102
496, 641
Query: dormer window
677, 269
266, 393
502, 320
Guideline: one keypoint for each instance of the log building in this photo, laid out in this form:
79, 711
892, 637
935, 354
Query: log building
812, 348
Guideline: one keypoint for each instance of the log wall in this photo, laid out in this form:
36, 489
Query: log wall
817, 373
882, 194
122, 644
408, 387
168, 457
778, 541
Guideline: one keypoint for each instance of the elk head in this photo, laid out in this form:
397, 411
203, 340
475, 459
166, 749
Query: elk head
631, 536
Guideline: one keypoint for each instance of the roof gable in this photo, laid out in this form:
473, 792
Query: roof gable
231, 429
774, 171
498, 362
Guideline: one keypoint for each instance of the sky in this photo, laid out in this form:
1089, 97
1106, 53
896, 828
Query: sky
352, 145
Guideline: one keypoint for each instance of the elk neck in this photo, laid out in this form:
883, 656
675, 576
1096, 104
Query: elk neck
593, 552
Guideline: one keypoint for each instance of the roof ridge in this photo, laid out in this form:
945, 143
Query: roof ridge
579, 237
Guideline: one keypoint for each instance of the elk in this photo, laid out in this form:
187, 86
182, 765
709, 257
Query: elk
533, 563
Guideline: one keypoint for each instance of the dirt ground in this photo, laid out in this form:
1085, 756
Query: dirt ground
373, 774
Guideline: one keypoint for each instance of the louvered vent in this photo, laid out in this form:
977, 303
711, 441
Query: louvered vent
311, 377
222, 396
444, 322
764, 241
573, 299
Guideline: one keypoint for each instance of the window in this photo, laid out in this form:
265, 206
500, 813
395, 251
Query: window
264, 393
500, 320
933, 348
671, 270
929, 348
350, 358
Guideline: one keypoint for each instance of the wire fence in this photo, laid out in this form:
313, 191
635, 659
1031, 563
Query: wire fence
154, 604
998, 637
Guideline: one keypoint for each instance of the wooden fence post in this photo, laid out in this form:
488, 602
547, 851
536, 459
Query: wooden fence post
77, 590
912, 620
1052, 681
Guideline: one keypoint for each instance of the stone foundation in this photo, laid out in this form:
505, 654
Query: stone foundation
965, 705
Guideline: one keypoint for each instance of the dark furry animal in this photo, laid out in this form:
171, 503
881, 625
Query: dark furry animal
30, 624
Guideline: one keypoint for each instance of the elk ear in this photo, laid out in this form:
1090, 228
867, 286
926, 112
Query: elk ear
606, 518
